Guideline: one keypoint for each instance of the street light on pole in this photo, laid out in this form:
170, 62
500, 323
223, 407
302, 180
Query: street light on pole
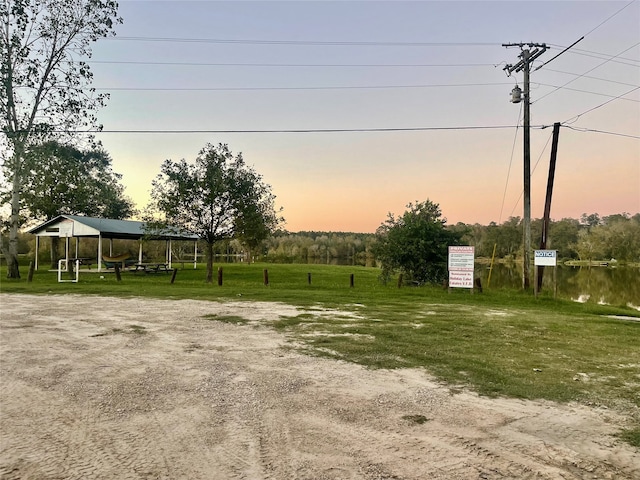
528, 55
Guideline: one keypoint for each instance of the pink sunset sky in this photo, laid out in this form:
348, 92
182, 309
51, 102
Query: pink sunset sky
269, 78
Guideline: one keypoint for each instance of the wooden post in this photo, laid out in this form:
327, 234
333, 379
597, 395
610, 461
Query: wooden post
173, 277
351, 280
32, 267
219, 276
116, 267
309, 278
265, 274
547, 203
399, 280
478, 283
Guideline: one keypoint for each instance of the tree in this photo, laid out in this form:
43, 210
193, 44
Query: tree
416, 243
44, 83
257, 219
62, 179
215, 198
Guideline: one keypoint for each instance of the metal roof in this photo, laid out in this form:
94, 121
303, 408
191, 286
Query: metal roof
109, 228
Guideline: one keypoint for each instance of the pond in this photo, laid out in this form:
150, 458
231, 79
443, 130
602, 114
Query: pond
611, 285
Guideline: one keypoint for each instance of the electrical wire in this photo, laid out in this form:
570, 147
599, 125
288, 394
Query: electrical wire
589, 92
513, 149
295, 65
576, 117
336, 87
609, 18
532, 172
585, 73
302, 130
585, 130
591, 77
300, 42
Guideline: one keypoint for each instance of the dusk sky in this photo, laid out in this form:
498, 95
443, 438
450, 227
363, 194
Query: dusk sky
182, 74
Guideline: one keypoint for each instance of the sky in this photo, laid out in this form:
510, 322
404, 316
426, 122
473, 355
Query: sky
398, 84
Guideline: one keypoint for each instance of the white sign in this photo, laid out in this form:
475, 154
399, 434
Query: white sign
546, 258
461, 258
461, 278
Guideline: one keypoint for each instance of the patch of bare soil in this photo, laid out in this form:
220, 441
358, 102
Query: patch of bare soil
104, 388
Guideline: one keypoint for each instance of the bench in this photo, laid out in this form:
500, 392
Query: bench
150, 267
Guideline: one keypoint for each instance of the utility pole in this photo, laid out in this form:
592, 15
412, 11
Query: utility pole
530, 51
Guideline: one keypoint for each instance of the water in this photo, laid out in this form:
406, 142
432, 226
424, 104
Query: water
611, 285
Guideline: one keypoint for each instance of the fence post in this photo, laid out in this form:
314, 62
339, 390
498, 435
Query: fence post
399, 280
266, 277
116, 267
32, 267
173, 277
219, 276
309, 278
351, 280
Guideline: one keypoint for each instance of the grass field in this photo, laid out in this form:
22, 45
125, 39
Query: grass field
495, 343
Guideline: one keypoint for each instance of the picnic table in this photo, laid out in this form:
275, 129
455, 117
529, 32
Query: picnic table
150, 267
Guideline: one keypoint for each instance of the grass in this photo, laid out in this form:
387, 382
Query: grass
497, 343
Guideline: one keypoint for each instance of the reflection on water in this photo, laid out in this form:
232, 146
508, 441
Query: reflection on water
612, 285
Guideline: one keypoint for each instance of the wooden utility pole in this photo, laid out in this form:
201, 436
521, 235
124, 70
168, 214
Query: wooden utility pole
547, 203
528, 55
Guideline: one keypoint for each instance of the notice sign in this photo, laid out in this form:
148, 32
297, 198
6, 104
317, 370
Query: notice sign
461, 259
545, 258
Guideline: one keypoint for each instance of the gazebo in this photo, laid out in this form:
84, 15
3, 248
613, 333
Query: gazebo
76, 226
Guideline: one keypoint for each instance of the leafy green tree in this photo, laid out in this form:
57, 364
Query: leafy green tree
257, 218
416, 243
62, 179
43, 83
563, 234
212, 198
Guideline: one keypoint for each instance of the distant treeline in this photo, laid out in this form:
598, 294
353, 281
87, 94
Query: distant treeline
589, 238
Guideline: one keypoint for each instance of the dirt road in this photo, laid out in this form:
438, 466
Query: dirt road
103, 388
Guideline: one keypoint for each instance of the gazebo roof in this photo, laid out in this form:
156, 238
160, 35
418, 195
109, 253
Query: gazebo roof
80, 226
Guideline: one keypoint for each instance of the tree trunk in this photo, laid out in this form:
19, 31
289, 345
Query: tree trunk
209, 262
55, 244
13, 270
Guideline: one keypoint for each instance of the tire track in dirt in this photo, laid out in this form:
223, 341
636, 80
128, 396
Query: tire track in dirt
87, 396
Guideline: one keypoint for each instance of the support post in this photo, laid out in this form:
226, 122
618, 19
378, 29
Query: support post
547, 203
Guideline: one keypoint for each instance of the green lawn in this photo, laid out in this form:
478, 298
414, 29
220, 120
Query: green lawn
496, 342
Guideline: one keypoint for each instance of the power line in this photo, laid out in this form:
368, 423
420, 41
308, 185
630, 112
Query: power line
513, 149
587, 91
608, 18
310, 130
336, 87
576, 117
590, 77
602, 56
302, 42
585, 73
296, 65
592, 130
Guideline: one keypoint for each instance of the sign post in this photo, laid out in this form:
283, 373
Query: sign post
461, 266
546, 258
